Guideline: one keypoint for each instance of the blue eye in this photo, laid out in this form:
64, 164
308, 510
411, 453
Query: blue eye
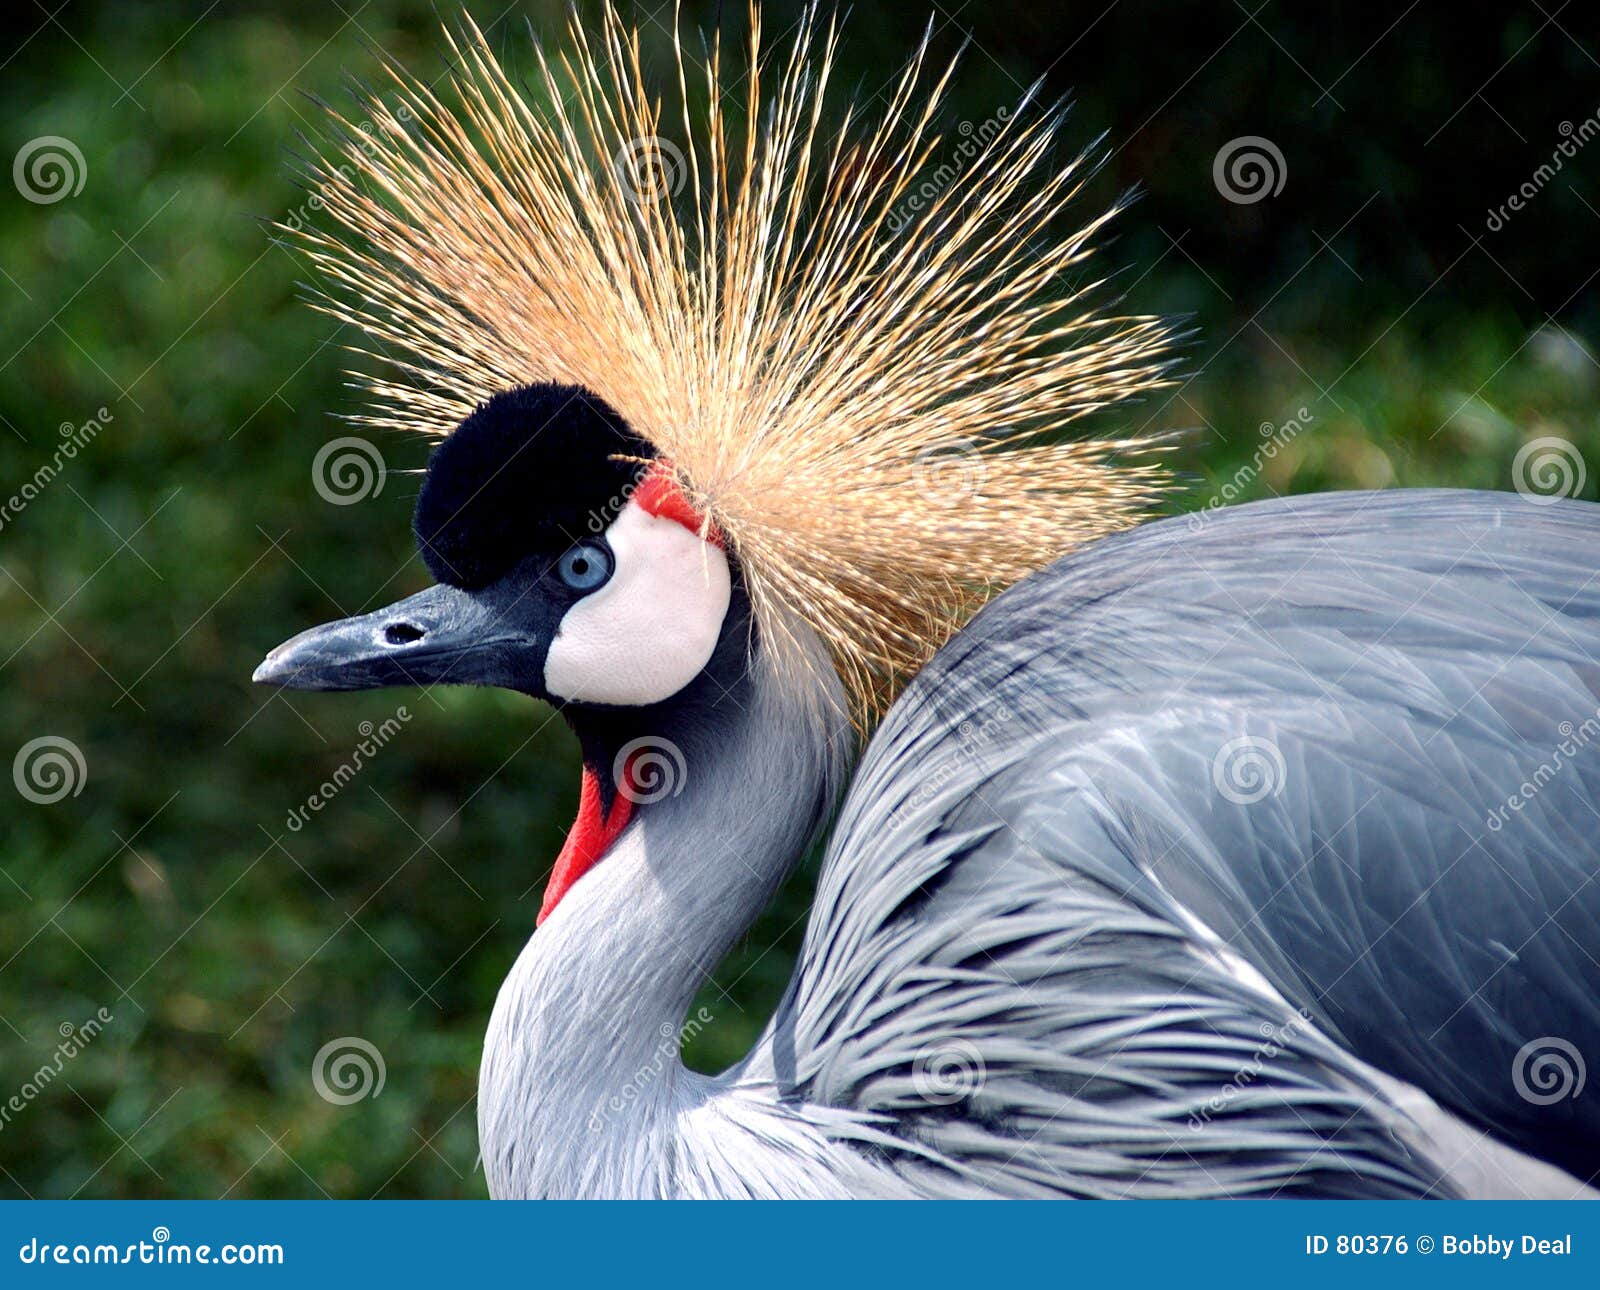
585, 567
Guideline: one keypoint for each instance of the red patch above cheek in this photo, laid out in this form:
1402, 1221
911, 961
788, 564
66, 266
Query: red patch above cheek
659, 495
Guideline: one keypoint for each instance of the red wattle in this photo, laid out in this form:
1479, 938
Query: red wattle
591, 837
658, 494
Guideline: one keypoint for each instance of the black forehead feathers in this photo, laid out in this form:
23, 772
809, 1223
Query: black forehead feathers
532, 469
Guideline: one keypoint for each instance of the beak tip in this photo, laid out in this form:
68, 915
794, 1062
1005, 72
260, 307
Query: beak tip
268, 671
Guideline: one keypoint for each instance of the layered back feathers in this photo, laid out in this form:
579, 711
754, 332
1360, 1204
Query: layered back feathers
852, 336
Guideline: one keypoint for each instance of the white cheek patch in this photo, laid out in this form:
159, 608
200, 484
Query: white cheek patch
647, 633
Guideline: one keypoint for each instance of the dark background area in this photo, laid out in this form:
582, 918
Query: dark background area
1426, 342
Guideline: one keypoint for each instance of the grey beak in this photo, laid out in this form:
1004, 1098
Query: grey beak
441, 635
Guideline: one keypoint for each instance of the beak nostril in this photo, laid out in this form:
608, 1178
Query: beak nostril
402, 634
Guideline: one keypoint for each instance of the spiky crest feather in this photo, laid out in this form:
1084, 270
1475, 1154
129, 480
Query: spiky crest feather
854, 374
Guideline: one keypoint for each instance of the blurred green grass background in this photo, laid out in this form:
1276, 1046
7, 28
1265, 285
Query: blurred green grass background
141, 586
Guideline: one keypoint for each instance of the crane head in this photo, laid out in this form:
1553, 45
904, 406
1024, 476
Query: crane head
567, 566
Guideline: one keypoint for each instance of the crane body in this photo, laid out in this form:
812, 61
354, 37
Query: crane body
1074, 966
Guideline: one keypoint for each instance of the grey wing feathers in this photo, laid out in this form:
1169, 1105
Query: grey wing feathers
1181, 826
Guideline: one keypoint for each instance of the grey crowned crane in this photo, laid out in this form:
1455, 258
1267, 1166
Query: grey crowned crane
1181, 868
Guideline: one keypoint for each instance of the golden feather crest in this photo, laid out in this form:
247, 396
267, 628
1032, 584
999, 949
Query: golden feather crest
854, 352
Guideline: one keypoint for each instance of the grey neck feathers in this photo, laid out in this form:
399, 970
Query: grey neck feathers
582, 1091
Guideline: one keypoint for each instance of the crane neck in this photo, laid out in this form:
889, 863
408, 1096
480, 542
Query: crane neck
581, 1069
